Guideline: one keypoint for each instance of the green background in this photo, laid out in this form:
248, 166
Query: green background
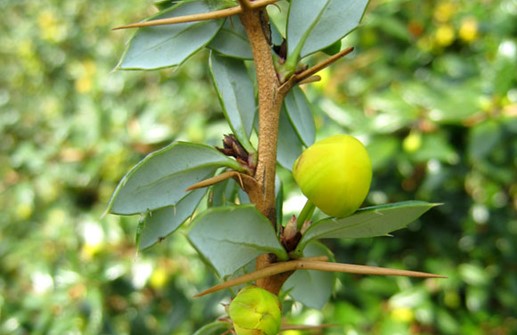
431, 89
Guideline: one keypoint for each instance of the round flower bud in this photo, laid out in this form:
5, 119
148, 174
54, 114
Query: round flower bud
335, 174
255, 311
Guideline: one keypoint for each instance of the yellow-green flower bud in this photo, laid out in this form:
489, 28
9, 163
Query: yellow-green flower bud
255, 311
335, 174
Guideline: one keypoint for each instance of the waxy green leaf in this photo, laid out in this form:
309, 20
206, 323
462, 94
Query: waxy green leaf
230, 237
231, 40
214, 328
170, 45
236, 94
310, 287
162, 222
366, 222
314, 25
299, 112
161, 178
289, 145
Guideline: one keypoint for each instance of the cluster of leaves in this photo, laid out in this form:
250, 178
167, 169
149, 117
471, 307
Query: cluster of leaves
64, 148
230, 234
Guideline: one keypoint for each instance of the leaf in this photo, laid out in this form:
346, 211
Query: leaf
333, 48
279, 197
162, 222
170, 45
223, 193
313, 25
161, 178
164, 4
230, 237
236, 94
227, 193
367, 222
299, 112
311, 287
214, 328
289, 144
231, 40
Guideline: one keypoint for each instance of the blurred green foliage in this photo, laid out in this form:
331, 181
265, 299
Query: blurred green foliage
431, 89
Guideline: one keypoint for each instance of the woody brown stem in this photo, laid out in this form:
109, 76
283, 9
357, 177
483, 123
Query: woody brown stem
320, 66
218, 14
318, 264
270, 98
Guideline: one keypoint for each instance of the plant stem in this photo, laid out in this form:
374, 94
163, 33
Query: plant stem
305, 214
320, 66
318, 264
270, 99
269, 102
218, 14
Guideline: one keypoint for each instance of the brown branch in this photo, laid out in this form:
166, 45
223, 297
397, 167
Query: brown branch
218, 14
309, 80
219, 178
314, 264
267, 271
270, 99
320, 66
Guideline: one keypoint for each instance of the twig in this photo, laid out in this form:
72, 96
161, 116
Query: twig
268, 271
218, 14
300, 77
314, 264
309, 80
216, 179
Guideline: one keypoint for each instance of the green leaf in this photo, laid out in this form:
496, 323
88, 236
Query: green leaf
333, 48
236, 94
170, 45
161, 178
231, 40
226, 193
223, 193
162, 222
299, 112
279, 192
310, 287
289, 145
313, 25
165, 4
214, 328
367, 222
230, 237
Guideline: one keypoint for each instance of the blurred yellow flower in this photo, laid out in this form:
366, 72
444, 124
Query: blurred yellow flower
88, 251
444, 11
402, 314
51, 30
412, 142
24, 211
158, 278
84, 82
292, 332
469, 29
444, 35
